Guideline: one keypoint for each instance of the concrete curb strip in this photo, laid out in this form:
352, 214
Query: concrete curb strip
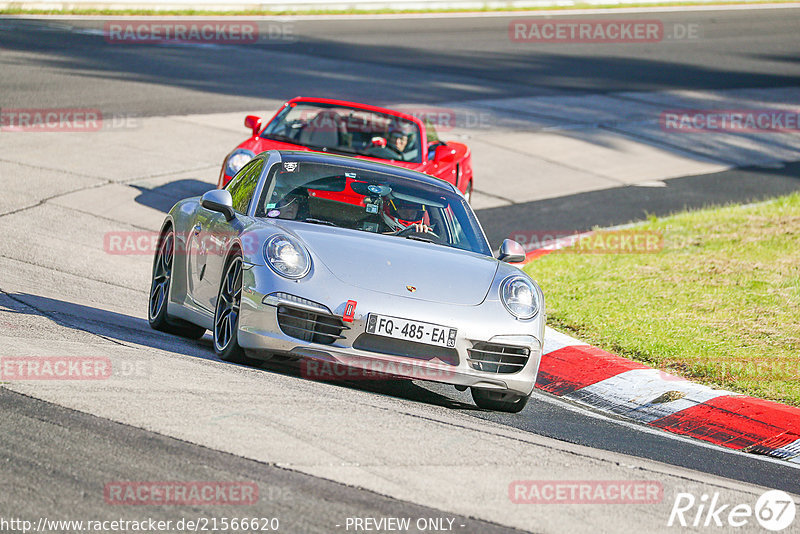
591, 376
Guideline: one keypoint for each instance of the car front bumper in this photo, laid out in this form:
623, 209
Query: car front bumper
358, 355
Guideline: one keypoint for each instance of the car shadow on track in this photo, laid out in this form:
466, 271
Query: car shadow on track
113, 326
134, 331
389, 386
163, 197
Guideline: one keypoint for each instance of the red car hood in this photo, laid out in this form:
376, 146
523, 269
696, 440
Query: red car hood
258, 145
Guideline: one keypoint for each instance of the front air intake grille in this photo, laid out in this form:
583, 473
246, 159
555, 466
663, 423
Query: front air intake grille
408, 349
310, 326
496, 358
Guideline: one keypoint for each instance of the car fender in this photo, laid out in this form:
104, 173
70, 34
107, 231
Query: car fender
463, 158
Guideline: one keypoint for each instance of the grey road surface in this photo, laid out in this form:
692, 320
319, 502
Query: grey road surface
326, 451
423, 61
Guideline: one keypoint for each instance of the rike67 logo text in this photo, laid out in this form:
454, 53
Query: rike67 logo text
774, 510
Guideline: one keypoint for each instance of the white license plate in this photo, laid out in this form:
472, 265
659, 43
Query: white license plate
408, 330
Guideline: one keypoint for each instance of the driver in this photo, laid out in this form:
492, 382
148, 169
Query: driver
404, 216
394, 144
398, 141
293, 207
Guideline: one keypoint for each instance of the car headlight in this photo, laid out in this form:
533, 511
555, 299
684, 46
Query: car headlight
287, 256
237, 160
519, 297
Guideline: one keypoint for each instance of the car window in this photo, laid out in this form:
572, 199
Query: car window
243, 185
369, 201
347, 130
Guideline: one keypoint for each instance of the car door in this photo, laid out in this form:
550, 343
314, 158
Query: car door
196, 254
442, 162
214, 233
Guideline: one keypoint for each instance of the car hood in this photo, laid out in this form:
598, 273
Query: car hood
258, 145
401, 267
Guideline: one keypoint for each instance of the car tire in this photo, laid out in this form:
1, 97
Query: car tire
226, 314
499, 401
468, 193
161, 280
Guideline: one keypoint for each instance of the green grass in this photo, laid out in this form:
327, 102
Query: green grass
719, 304
267, 12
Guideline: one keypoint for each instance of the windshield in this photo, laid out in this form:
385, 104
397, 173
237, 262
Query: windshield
347, 130
368, 201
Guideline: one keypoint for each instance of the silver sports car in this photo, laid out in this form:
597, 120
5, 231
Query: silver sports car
352, 264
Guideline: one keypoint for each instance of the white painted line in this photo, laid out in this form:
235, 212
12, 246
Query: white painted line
458, 15
792, 450
651, 183
560, 402
631, 394
556, 340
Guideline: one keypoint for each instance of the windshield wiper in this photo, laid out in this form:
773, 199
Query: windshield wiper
319, 221
415, 237
279, 137
332, 149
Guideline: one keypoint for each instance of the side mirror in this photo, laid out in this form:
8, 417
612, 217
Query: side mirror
443, 153
218, 200
511, 252
254, 123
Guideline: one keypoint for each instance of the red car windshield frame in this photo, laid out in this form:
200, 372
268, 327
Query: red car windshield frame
357, 136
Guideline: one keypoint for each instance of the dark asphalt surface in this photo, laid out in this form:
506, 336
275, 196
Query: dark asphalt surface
64, 475
423, 61
548, 416
620, 205
52, 457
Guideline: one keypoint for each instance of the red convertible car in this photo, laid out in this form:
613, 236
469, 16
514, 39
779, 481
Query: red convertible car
359, 130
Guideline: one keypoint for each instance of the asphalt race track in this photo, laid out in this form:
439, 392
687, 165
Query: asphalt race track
321, 452
425, 61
